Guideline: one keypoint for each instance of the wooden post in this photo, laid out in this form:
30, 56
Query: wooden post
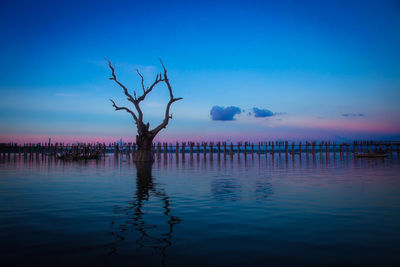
278, 143
272, 148
286, 147
224, 144
191, 149
183, 148
231, 150
165, 146
205, 149
293, 148
183, 151
300, 149
238, 149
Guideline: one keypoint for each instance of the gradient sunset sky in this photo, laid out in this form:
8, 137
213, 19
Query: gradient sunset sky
291, 70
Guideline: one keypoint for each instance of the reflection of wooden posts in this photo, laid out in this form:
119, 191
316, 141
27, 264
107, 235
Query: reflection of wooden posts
115, 150
300, 149
183, 150
272, 148
159, 145
128, 151
165, 145
191, 149
224, 144
55, 150
327, 148
280, 143
286, 147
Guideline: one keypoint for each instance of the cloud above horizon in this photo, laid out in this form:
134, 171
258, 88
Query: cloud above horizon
353, 115
219, 113
262, 113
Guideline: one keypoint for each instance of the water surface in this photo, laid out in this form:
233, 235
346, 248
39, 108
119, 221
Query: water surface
196, 211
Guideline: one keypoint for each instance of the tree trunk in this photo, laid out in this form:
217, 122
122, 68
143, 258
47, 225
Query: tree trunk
144, 144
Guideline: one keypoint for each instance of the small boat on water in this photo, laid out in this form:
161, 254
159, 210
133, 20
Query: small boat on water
371, 155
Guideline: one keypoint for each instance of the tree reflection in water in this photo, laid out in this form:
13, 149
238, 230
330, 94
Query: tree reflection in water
145, 189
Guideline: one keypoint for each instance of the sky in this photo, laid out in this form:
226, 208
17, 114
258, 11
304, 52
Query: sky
247, 70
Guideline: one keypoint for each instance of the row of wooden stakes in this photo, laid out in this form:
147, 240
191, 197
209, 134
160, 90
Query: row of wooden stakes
271, 147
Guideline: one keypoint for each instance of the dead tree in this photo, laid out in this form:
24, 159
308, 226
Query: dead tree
145, 136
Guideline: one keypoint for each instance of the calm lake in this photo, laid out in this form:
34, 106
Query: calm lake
254, 211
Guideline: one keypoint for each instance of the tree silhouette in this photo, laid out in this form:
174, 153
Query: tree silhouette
145, 136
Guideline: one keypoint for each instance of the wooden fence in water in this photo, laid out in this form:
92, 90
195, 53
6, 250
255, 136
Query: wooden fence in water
202, 148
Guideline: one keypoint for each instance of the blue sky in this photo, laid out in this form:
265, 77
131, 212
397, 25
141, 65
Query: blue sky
307, 62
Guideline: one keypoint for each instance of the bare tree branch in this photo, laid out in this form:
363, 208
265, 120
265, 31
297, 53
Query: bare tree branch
171, 100
166, 118
126, 109
141, 76
114, 77
148, 90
